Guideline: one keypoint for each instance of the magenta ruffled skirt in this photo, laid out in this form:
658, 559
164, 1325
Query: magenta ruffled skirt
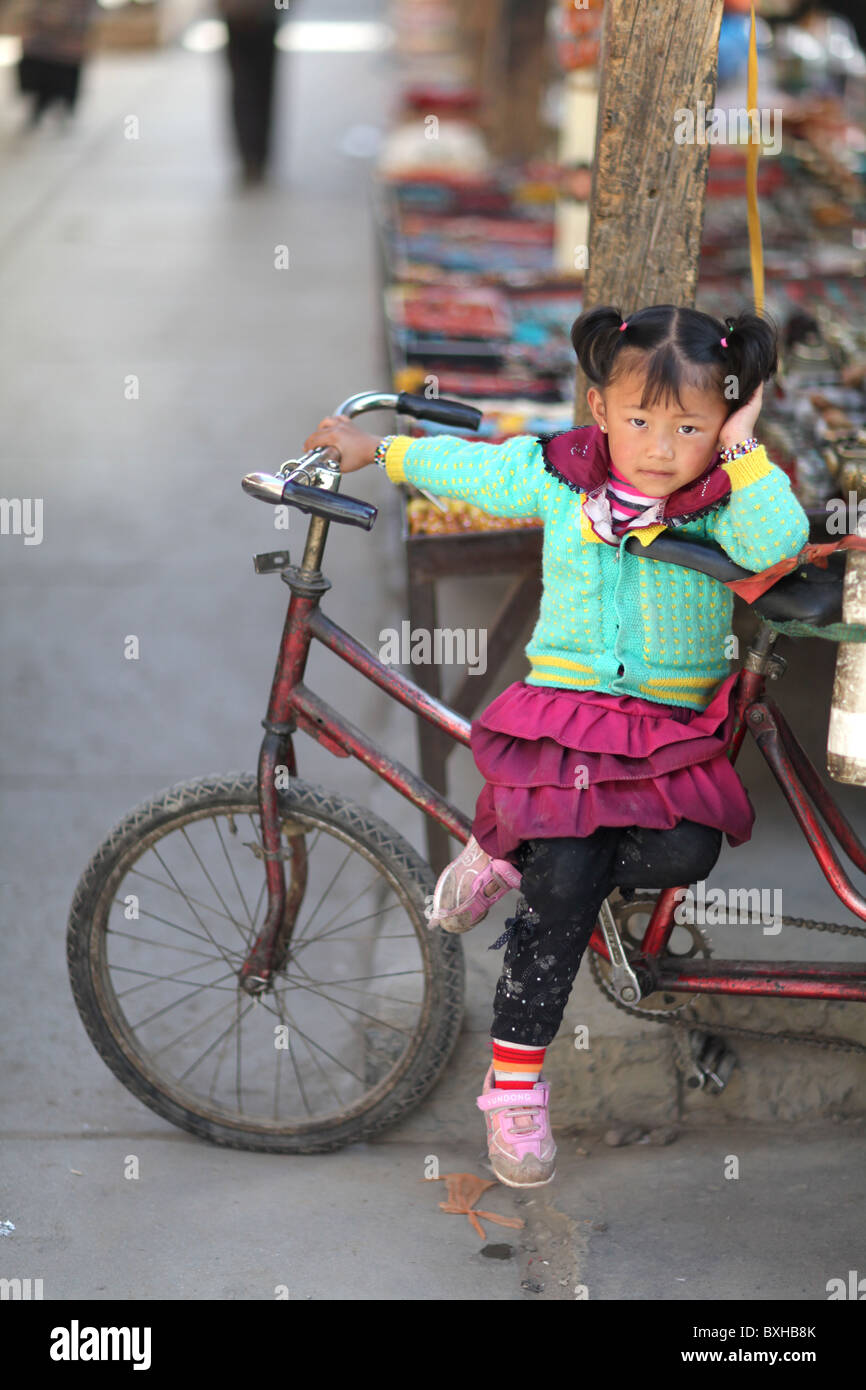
561, 762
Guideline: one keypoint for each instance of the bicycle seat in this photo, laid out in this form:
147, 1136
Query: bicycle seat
808, 594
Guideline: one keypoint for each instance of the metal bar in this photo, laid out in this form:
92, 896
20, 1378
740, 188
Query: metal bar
821, 795
395, 773
277, 749
398, 686
773, 749
791, 980
433, 746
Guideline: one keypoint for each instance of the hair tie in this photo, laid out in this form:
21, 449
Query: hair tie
724, 342
623, 326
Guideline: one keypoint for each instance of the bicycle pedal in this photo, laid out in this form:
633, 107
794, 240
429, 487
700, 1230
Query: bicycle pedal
271, 561
712, 1059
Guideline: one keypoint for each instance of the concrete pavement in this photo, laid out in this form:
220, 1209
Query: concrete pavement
126, 259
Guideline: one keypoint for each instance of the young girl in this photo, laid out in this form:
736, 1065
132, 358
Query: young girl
607, 765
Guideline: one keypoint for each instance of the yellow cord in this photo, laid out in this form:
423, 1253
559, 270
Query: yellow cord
756, 254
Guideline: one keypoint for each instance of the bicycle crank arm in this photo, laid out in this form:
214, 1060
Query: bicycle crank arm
623, 980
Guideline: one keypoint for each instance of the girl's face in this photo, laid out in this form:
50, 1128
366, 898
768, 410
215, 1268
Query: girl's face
662, 447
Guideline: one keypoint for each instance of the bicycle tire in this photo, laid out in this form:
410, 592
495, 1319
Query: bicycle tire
380, 844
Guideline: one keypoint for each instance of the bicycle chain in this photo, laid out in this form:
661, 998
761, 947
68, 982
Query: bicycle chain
680, 1020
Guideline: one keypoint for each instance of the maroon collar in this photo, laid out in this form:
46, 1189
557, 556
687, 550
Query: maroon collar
580, 458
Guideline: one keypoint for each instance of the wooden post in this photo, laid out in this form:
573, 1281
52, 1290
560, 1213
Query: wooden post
658, 58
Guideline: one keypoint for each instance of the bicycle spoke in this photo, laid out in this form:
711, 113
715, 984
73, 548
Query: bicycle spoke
356, 921
338, 1004
142, 1023
291, 1052
208, 1050
220, 1057
194, 1028
293, 1027
356, 898
143, 912
388, 998
195, 914
232, 870
325, 892
238, 1022
161, 979
368, 993
302, 1034
187, 897
216, 890
162, 945
356, 979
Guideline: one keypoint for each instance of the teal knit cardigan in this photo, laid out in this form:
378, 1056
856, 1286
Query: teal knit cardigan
609, 620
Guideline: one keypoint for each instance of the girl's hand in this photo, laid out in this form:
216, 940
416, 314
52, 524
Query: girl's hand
356, 449
741, 425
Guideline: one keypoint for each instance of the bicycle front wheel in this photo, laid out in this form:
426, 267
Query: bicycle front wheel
351, 1032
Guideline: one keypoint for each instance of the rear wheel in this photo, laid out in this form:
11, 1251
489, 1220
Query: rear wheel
348, 1036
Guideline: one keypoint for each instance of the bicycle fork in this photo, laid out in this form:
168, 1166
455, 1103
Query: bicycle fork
277, 754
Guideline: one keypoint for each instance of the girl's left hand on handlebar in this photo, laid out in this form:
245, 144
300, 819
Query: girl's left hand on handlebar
355, 447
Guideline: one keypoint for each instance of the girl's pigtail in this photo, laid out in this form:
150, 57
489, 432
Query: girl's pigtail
595, 337
752, 353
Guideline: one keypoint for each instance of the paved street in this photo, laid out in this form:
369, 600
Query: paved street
124, 259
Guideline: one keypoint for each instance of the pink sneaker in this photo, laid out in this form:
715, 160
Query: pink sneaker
468, 887
519, 1141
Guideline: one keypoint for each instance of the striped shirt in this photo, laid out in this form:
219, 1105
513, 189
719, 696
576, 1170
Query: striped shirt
626, 502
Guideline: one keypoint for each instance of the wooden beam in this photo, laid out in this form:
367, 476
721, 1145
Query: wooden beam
658, 57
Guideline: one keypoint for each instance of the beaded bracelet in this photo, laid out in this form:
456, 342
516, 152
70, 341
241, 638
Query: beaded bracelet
382, 449
735, 451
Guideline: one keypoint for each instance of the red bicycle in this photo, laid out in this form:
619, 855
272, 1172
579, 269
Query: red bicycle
250, 953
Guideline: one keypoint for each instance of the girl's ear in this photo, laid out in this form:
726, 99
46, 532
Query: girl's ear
595, 401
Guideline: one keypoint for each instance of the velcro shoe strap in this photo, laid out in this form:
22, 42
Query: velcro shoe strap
502, 1100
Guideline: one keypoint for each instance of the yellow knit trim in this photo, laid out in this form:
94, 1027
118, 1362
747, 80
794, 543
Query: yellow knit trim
683, 680
561, 680
394, 458
561, 661
645, 534
748, 468
674, 697
586, 531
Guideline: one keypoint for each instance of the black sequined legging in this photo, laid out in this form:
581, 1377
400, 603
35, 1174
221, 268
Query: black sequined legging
564, 882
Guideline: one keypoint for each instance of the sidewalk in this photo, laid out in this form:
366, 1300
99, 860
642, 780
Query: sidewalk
121, 259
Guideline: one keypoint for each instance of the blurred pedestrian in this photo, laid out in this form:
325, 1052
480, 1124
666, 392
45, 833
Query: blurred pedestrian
53, 49
252, 26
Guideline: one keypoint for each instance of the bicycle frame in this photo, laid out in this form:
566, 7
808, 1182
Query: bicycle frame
294, 706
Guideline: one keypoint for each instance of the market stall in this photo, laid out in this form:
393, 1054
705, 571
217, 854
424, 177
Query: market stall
489, 250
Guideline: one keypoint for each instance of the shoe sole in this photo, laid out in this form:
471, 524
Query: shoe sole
509, 1182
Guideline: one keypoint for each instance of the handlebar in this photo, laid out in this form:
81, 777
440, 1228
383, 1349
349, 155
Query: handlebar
329, 505
705, 556
310, 483
809, 594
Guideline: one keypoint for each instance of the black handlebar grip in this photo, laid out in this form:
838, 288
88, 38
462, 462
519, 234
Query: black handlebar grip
707, 557
444, 412
330, 505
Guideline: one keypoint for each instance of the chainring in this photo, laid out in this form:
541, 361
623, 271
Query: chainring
631, 920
